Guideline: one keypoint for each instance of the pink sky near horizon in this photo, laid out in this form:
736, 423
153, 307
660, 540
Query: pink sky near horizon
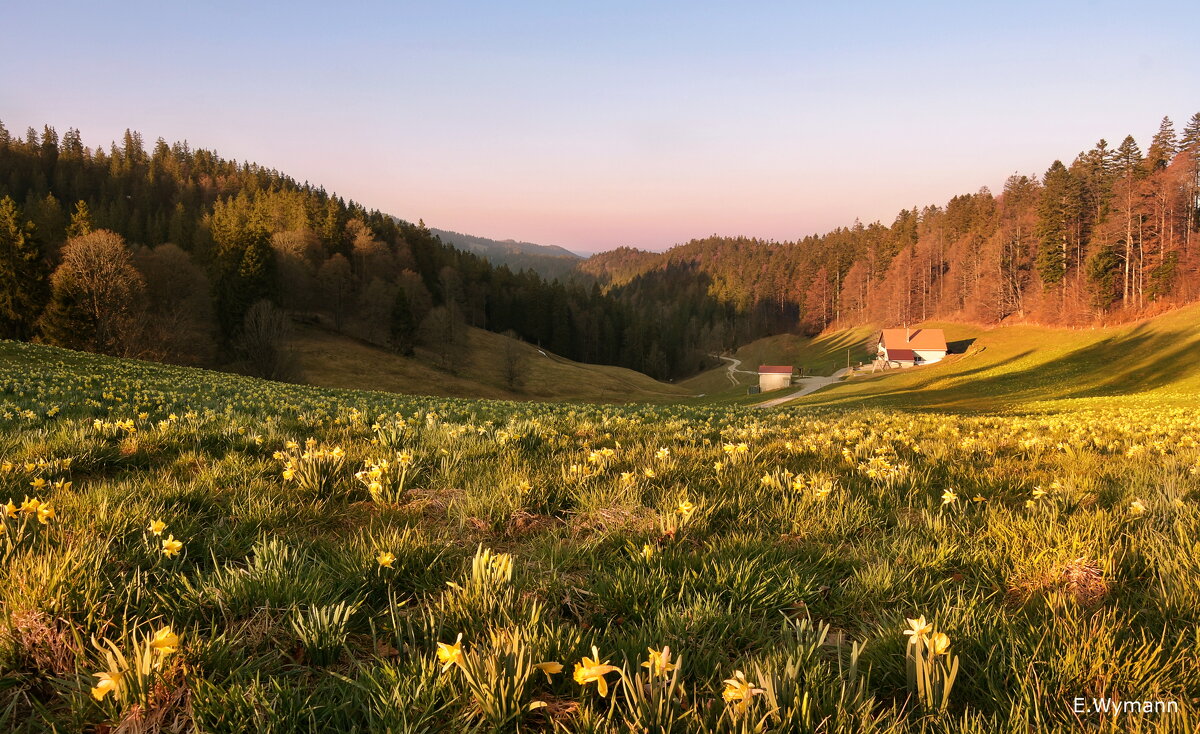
597, 126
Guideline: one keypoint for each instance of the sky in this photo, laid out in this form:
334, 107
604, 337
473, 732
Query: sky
593, 125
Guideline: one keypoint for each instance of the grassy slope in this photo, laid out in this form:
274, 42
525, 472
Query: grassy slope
822, 355
1039, 367
1078, 589
332, 360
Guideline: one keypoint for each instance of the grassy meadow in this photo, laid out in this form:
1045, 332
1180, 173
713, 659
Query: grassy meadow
194, 551
328, 359
823, 354
1156, 362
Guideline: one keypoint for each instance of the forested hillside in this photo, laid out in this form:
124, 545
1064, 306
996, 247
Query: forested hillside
1112, 235
181, 255
549, 261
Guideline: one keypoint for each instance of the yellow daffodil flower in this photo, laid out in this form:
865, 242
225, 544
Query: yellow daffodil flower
549, 668
45, 514
385, 559
171, 547
659, 663
450, 654
110, 682
939, 643
157, 527
740, 690
593, 671
948, 497
1137, 508
165, 641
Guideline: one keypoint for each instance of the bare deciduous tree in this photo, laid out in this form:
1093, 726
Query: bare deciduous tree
262, 342
512, 361
337, 286
99, 279
179, 312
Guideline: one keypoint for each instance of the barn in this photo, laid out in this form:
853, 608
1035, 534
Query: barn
910, 347
774, 377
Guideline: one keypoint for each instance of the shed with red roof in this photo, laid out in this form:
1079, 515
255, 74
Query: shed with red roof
774, 377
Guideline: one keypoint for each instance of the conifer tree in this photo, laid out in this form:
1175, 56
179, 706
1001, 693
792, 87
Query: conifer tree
403, 328
1128, 157
81, 221
1058, 207
1191, 134
22, 274
1162, 146
67, 321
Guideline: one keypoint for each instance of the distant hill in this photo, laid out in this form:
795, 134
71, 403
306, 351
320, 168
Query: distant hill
328, 359
619, 266
549, 261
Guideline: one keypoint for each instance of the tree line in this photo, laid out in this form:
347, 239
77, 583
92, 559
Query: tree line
178, 254
1113, 235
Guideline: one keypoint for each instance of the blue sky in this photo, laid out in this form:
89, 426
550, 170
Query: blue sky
594, 125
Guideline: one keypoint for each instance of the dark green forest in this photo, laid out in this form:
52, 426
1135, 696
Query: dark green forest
165, 253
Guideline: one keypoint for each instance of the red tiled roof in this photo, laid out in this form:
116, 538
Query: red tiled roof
901, 355
775, 369
924, 339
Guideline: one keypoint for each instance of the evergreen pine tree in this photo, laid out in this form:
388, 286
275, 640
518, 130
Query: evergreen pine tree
1059, 205
81, 220
1128, 157
67, 321
1163, 146
1191, 134
403, 327
23, 289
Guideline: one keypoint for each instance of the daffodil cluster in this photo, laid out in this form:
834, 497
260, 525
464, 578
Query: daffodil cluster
315, 469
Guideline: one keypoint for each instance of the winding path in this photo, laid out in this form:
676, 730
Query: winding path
811, 384
733, 367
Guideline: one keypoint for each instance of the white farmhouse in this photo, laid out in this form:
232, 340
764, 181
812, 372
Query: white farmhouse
910, 347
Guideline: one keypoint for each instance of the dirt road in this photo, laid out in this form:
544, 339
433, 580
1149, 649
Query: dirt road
811, 384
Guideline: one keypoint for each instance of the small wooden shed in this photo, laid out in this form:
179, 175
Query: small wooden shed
774, 377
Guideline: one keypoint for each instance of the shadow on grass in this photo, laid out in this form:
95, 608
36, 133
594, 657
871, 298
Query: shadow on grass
1137, 361
959, 347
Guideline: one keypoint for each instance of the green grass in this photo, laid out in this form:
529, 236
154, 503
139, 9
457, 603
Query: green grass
1031, 367
328, 359
820, 355
790, 545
